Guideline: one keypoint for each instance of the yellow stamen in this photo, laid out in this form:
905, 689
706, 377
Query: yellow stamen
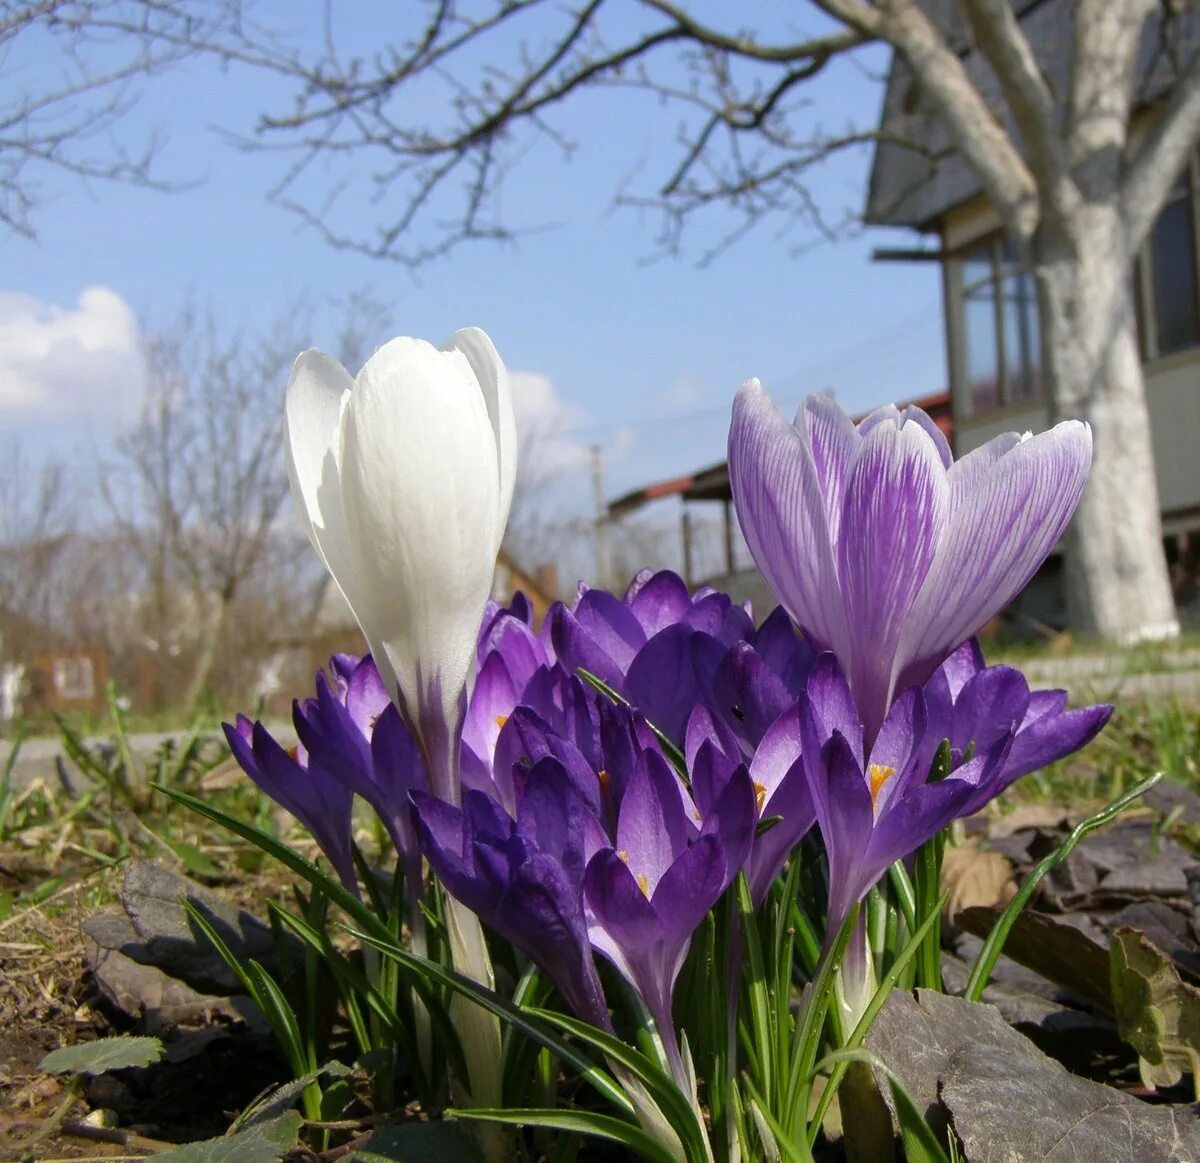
760, 796
501, 720
643, 884
623, 855
605, 780
878, 775
294, 753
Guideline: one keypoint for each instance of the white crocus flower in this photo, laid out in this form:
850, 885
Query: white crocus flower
404, 477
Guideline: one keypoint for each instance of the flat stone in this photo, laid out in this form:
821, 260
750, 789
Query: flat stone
153, 895
1007, 1101
144, 992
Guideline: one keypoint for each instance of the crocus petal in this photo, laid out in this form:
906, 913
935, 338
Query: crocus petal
1046, 741
833, 443
661, 681
420, 492
316, 393
492, 377
661, 601
781, 508
895, 509
1001, 530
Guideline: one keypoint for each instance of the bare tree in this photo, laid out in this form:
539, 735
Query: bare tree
37, 518
198, 484
1077, 194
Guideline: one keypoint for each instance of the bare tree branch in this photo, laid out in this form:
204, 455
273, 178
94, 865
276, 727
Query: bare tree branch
1000, 39
1156, 165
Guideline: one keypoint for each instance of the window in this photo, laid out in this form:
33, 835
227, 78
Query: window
73, 678
1001, 356
1167, 278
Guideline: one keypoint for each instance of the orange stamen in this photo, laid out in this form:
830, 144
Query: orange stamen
878, 775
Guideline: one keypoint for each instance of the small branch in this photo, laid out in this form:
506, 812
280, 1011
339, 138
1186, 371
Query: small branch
1156, 166
999, 37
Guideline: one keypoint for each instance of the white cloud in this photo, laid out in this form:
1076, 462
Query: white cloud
546, 428
69, 363
683, 394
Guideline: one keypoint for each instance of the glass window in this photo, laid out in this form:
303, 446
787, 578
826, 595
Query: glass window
1175, 321
979, 326
1022, 357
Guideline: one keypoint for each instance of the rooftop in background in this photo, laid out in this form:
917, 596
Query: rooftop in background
712, 483
917, 176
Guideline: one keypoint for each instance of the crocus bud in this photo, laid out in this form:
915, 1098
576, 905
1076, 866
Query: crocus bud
403, 477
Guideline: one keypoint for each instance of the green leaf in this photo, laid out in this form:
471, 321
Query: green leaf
1157, 1013
994, 945
580, 1123
268, 1109
921, 1145
527, 1023
670, 748
267, 1143
119, 1053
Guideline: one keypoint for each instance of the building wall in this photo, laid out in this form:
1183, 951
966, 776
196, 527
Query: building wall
1172, 391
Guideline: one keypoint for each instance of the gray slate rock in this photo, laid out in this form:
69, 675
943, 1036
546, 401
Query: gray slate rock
152, 895
1009, 1103
142, 991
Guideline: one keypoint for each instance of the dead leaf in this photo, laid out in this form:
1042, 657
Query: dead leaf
1030, 816
976, 877
1157, 1013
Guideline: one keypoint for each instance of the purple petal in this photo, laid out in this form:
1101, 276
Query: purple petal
1001, 530
896, 507
989, 706
366, 695
661, 681
781, 508
661, 601
748, 695
833, 443
577, 650
842, 802
611, 625
688, 889
831, 701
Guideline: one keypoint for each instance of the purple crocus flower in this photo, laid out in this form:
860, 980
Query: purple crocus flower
874, 803
646, 896
975, 706
524, 876
314, 795
603, 633
882, 547
777, 777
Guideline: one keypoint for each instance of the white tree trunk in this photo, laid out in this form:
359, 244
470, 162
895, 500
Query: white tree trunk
1118, 587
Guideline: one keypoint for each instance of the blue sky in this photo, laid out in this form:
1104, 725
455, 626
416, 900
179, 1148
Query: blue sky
640, 357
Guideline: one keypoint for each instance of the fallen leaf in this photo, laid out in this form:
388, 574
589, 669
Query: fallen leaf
976, 877
1157, 1012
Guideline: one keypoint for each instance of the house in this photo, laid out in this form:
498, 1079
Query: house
990, 307
707, 486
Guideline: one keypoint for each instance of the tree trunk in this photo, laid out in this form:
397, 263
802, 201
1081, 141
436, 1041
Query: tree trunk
1117, 582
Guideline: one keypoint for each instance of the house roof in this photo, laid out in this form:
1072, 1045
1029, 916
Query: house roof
916, 175
712, 483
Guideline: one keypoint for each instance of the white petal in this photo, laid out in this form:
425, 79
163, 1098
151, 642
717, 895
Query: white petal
420, 495
316, 393
492, 375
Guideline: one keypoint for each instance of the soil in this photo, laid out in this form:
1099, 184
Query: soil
47, 1001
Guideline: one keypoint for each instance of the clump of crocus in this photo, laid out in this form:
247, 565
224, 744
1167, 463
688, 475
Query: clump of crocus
616, 858
882, 547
